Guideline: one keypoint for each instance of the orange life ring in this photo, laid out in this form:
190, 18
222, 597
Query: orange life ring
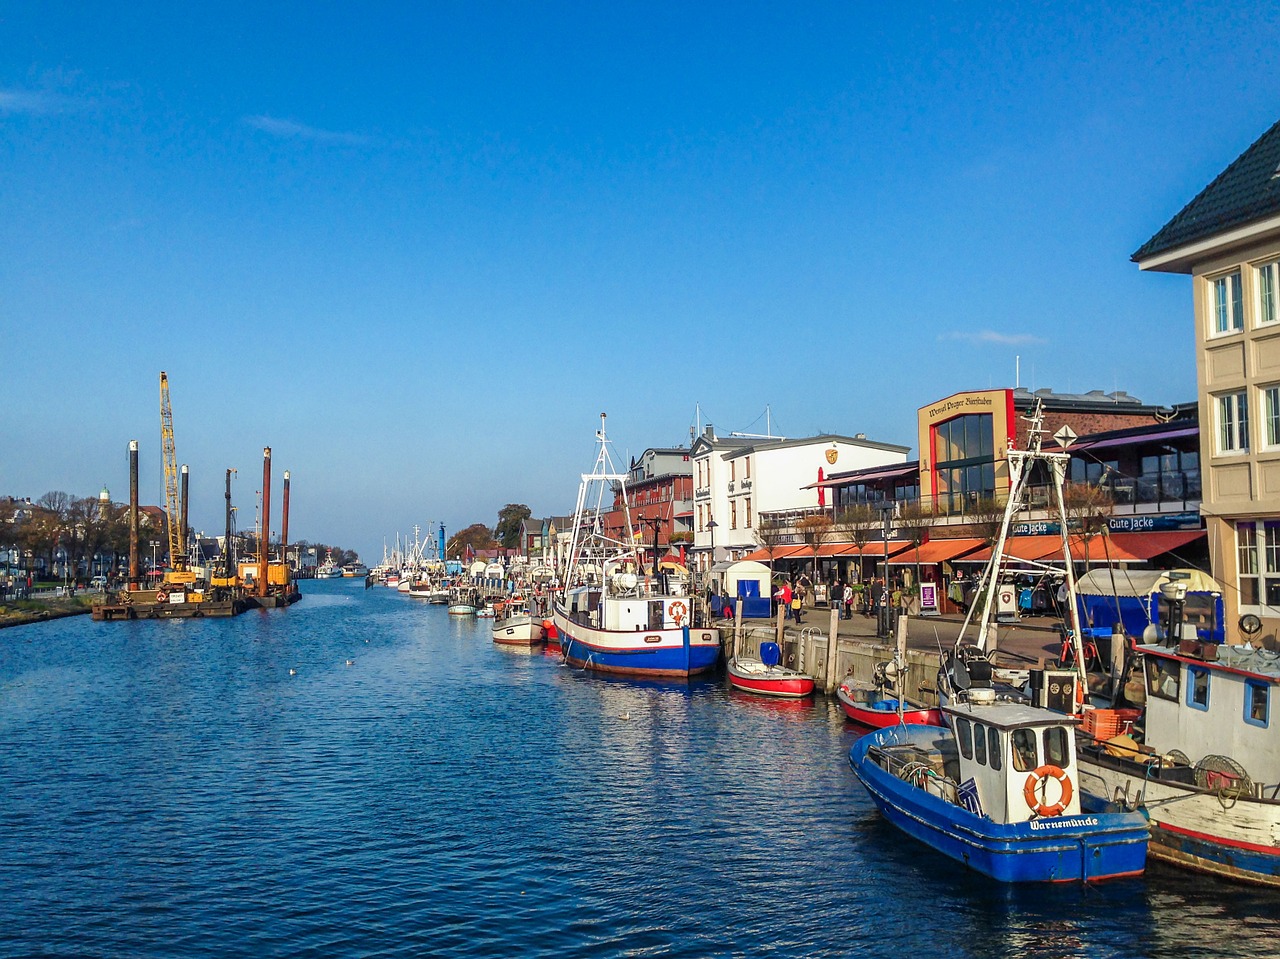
678, 610
1041, 776
162, 595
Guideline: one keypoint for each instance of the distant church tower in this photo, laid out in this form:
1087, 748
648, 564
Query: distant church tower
104, 501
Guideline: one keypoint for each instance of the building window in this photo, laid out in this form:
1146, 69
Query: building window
1268, 274
1271, 415
964, 461
1233, 423
1258, 563
733, 470
746, 465
1198, 687
1228, 306
733, 515
1257, 702
748, 512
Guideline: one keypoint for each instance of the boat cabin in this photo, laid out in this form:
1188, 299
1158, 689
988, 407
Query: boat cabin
1207, 700
1017, 762
631, 612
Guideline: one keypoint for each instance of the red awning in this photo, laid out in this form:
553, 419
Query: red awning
938, 551
1147, 545
1114, 548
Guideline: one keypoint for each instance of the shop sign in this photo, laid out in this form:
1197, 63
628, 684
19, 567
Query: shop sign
1150, 523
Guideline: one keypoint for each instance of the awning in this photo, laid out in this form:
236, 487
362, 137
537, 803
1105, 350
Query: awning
781, 552
1115, 548
872, 474
1134, 439
937, 551
1147, 545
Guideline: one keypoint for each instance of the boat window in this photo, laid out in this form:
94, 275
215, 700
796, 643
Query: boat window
1055, 747
1197, 687
980, 744
993, 747
1024, 750
1257, 702
1163, 678
964, 733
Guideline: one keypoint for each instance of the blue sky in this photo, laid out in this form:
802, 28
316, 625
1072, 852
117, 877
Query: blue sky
417, 248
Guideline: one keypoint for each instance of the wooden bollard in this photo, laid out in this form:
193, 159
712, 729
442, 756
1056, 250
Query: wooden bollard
830, 680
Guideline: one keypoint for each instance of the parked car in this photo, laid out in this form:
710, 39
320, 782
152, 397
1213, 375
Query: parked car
98, 582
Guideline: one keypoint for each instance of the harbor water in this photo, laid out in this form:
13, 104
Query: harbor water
363, 775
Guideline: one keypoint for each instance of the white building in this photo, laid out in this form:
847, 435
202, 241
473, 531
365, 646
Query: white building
736, 478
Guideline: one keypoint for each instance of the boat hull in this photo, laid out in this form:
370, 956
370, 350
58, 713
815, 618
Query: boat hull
518, 631
674, 653
1085, 848
458, 609
867, 715
1193, 828
771, 681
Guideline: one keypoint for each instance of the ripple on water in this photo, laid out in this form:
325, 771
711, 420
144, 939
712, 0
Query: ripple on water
170, 790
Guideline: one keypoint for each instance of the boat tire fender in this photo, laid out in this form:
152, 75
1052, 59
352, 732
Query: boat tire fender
1036, 779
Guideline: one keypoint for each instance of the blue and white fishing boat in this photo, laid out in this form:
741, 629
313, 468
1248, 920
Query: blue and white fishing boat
1207, 771
996, 792
613, 617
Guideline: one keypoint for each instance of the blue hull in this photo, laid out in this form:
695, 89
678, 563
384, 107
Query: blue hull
665, 661
1065, 849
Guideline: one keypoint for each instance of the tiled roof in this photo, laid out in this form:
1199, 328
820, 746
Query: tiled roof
1245, 191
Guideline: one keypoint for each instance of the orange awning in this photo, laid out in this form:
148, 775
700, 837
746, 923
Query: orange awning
938, 551
1145, 545
1115, 548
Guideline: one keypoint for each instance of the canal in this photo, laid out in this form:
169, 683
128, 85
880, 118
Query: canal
362, 775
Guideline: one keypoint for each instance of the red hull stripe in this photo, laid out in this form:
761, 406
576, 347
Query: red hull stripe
1220, 840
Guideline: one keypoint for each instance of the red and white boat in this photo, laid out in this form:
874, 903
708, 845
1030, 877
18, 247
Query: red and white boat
766, 677
872, 706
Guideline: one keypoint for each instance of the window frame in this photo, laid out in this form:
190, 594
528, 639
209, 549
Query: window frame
1268, 291
1231, 423
1270, 409
1250, 687
1197, 682
1226, 314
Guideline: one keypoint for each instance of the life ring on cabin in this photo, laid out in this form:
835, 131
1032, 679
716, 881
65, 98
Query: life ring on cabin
1039, 777
678, 611
162, 595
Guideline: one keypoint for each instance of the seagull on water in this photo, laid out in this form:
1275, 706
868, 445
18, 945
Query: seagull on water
351, 662
293, 672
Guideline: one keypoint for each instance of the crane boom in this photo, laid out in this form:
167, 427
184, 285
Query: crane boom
177, 535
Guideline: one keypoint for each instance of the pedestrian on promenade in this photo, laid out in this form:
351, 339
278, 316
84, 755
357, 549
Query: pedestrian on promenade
783, 595
847, 598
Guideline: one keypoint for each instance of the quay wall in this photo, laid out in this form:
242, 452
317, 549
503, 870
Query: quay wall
805, 649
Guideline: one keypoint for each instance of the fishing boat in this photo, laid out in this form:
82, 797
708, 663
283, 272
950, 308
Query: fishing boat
487, 611
613, 617
874, 707
329, 569
766, 676
463, 601
1207, 771
355, 570
515, 625
996, 792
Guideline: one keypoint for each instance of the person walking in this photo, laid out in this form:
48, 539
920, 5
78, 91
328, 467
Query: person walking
847, 598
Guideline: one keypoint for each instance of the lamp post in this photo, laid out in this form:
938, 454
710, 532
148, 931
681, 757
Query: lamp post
711, 525
885, 625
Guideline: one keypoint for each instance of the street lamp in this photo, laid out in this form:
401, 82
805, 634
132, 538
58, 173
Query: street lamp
711, 525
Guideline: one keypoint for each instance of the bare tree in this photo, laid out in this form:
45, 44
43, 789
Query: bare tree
985, 516
915, 518
769, 533
856, 523
1088, 510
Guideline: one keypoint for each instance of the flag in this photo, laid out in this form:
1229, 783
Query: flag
822, 490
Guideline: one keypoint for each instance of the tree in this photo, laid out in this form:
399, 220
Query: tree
477, 536
510, 518
770, 533
1088, 509
985, 515
857, 523
913, 522
814, 530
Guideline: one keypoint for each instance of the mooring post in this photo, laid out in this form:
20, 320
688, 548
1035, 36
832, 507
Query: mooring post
735, 643
830, 680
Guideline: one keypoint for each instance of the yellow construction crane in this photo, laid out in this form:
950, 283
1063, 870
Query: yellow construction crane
177, 532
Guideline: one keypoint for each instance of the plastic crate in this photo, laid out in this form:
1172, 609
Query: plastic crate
1106, 724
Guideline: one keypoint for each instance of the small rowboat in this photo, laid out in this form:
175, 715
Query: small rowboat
872, 707
766, 677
